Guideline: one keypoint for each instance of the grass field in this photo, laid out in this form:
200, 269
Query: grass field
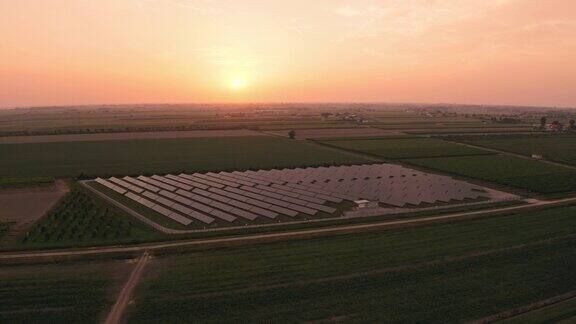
161, 156
70, 293
80, 219
554, 148
564, 311
404, 148
506, 170
439, 273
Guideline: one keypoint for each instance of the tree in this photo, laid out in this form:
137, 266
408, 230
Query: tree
543, 122
572, 123
292, 134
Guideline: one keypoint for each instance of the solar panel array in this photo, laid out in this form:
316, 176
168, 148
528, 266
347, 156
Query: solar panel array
225, 197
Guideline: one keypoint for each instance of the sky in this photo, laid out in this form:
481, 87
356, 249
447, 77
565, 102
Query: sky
59, 52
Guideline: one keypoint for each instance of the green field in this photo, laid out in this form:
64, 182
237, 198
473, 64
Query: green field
70, 293
506, 170
554, 148
405, 148
439, 273
563, 311
80, 219
102, 158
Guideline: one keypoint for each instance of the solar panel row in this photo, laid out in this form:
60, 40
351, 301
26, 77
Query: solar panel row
141, 184
205, 208
112, 186
275, 204
188, 182
172, 182
161, 210
228, 200
126, 185
254, 199
291, 203
217, 204
174, 205
157, 183
202, 180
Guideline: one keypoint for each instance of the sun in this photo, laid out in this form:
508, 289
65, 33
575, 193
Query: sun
238, 83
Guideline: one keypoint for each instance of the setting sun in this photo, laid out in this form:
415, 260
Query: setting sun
238, 83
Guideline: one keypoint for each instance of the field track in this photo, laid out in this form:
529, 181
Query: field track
115, 315
126, 136
297, 234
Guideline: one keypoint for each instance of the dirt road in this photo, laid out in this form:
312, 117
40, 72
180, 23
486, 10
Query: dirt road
119, 307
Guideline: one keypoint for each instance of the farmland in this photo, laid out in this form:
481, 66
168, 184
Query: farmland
404, 148
506, 170
26, 205
69, 159
432, 274
65, 293
554, 148
80, 219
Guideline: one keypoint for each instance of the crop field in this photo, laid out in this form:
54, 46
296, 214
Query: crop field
554, 148
70, 293
23, 206
69, 159
405, 148
80, 219
506, 170
437, 273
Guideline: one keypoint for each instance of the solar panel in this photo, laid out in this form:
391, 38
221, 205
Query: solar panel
142, 184
201, 207
109, 185
157, 183
202, 180
172, 182
224, 206
188, 182
163, 211
126, 185
174, 205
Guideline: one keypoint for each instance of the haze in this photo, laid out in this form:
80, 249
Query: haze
517, 52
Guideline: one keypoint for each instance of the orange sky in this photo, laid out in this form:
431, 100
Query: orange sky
134, 51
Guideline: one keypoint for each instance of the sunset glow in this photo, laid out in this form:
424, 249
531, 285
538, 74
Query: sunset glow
464, 51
